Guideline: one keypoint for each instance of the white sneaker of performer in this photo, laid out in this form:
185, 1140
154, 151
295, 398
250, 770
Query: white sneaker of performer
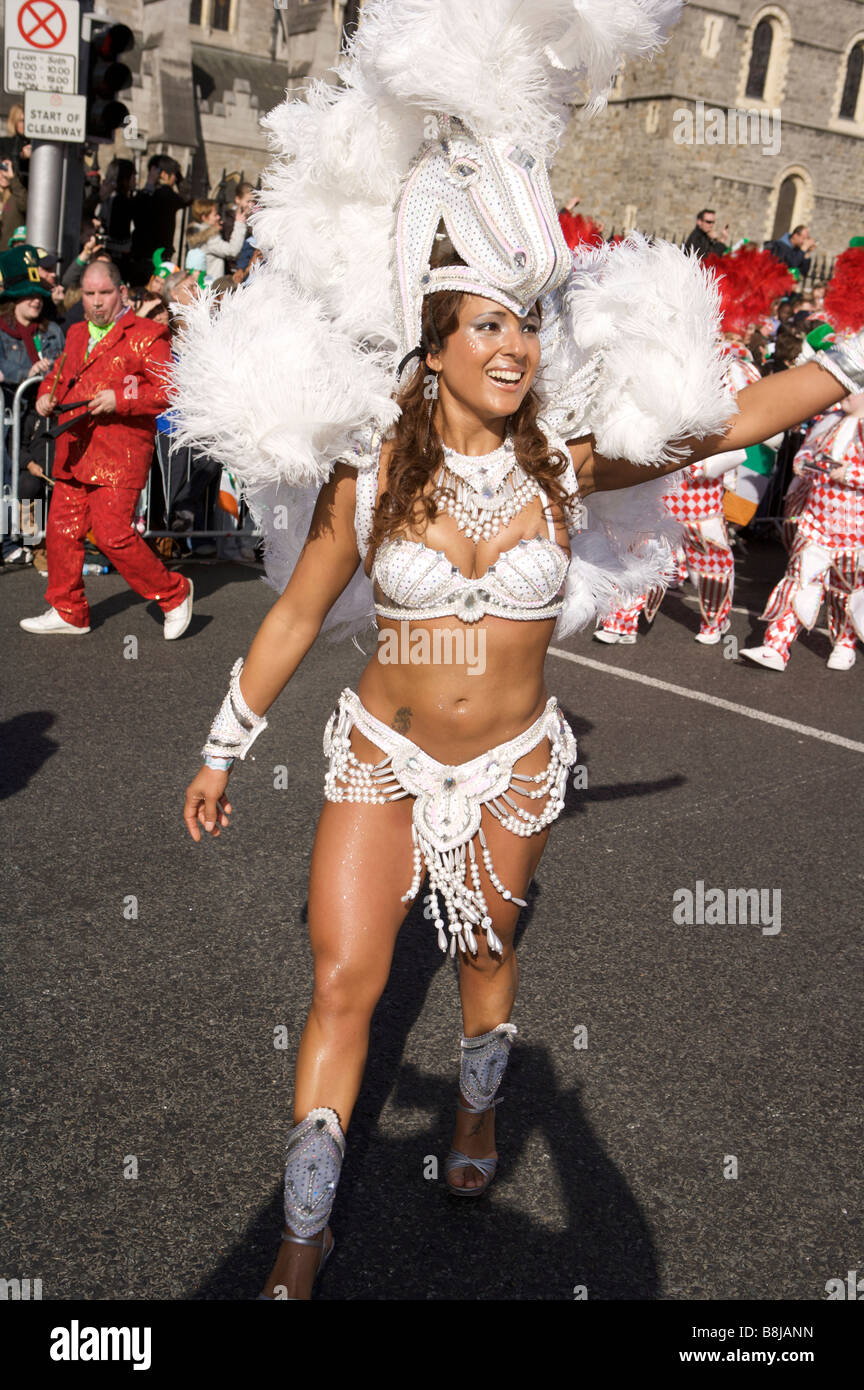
712, 635
622, 638
177, 621
765, 656
842, 659
51, 621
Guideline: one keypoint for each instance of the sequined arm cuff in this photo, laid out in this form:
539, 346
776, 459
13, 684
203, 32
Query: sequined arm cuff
236, 726
845, 361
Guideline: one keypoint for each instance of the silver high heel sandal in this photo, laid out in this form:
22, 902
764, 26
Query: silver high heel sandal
316, 1148
483, 1063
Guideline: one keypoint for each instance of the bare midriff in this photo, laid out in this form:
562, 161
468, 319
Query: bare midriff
458, 689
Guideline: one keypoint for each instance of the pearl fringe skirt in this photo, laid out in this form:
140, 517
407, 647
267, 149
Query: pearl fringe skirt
447, 806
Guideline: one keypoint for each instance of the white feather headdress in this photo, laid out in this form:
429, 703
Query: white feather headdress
284, 375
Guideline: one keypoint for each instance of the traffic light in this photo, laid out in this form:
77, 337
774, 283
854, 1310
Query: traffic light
106, 77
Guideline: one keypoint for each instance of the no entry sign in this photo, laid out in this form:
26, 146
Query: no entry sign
41, 45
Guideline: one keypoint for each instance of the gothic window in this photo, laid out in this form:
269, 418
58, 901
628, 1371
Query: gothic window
786, 201
220, 14
852, 85
760, 57
195, 12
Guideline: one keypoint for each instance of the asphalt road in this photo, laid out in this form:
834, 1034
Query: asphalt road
149, 1106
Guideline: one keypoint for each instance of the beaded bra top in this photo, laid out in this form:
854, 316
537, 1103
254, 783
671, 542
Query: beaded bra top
485, 493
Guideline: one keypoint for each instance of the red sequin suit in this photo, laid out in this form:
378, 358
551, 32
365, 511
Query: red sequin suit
827, 556
101, 465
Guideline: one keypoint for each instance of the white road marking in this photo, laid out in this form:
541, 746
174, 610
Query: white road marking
715, 700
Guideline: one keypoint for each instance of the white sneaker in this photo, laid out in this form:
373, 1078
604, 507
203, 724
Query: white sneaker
622, 638
842, 659
765, 656
177, 621
713, 635
18, 555
51, 621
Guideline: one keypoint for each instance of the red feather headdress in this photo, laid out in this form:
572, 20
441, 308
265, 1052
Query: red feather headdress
844, 297
749, 281
578, 230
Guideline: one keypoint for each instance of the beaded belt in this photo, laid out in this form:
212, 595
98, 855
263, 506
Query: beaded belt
448, 803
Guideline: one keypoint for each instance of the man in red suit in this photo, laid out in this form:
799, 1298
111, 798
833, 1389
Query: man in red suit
117, 365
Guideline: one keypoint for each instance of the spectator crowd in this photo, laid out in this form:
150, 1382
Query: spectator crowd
131, 233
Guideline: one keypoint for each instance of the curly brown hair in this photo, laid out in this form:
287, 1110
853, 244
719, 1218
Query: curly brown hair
405, 504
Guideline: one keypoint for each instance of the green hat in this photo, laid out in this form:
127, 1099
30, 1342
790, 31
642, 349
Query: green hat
19, 274
856, 243
19, 235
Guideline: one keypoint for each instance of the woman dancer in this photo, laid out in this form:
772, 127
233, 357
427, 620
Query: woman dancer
468, 518
422, 559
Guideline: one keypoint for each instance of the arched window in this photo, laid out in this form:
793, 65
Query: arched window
195, 12
786, 201
852, 85
760, 57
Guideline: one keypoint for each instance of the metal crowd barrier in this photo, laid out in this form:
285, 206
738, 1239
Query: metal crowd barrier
175, 469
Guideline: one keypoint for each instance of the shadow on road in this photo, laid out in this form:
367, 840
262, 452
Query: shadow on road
24, 747
400, 1235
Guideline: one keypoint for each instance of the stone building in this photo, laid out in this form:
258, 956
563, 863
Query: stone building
754, 109
205, 71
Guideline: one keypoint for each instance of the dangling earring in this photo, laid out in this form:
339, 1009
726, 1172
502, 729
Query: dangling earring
430, 391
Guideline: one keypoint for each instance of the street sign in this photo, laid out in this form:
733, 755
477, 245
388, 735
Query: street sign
41, 45
55, 116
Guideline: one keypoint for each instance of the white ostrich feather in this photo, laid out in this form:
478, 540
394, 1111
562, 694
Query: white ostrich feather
653, 315
505, 67
269, 387
624, 550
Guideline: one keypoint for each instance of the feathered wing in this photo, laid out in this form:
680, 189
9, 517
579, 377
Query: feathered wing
624, 549
284, 514
642, 322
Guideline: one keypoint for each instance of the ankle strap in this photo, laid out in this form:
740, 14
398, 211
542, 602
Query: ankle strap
480, 1109
305, 1240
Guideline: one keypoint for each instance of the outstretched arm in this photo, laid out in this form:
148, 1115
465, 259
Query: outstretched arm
767, 407
326, 564
325, 567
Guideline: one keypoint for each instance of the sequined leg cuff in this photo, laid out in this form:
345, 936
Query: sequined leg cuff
484, 1061
316, 1148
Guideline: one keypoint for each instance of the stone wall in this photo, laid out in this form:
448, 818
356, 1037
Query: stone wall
632, 166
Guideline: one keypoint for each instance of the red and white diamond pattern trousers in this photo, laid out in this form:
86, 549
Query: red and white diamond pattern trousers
839, 582
625, 621
712, 569
73, 509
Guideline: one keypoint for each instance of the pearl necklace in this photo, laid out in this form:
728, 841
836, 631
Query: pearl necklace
487, 491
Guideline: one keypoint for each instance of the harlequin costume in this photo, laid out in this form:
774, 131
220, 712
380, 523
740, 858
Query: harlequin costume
424, 139
826, 562
824, 517
102, 463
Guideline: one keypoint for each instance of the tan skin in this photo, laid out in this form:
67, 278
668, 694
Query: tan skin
361, 854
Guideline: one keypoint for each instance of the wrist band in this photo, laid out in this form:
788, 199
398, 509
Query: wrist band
845, 361
218, 764
236, 726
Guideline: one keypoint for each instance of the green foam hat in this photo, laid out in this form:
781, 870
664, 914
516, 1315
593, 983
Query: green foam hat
19, 274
